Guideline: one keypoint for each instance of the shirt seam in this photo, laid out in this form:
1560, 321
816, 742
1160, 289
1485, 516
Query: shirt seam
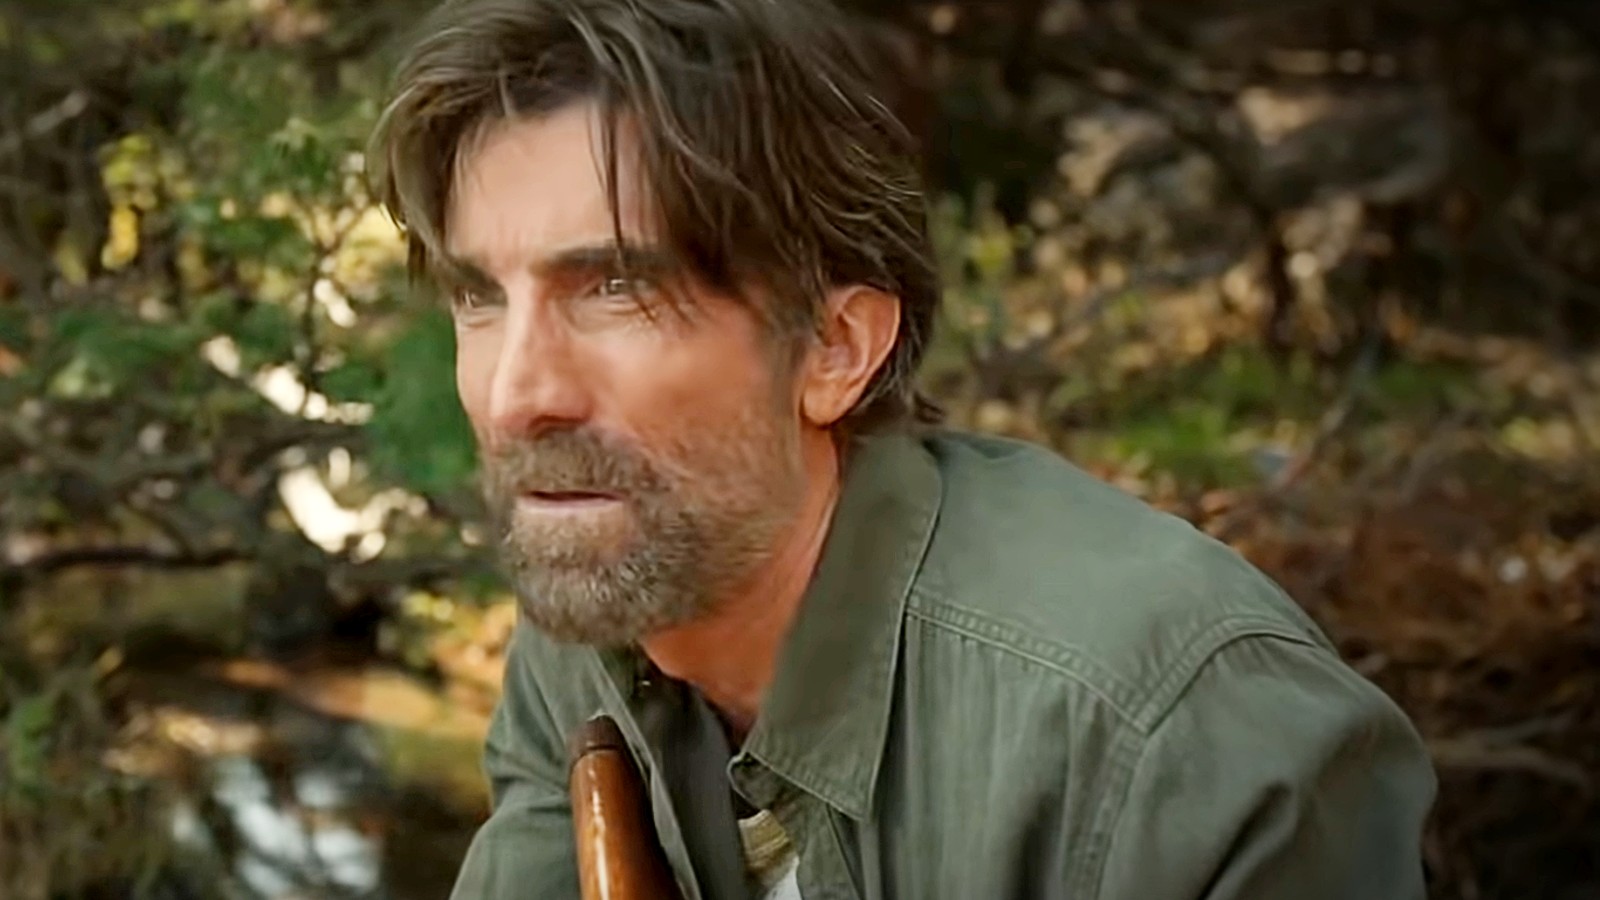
1198, 651
1135, 745
1141, 708
1127, 751
852, 892
1010, 641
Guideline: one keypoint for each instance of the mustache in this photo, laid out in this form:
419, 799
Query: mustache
572, 460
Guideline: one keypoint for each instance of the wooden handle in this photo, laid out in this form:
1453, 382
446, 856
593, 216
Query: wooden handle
618, 855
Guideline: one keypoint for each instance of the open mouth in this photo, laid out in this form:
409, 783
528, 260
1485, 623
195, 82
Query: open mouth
570, 496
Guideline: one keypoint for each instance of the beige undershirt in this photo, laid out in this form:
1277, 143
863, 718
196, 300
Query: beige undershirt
770, 857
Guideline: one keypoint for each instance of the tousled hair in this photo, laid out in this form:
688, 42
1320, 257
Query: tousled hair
772, 163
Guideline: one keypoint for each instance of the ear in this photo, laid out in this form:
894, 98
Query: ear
858, 329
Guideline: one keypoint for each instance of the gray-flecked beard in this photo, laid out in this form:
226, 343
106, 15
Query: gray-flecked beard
689, 537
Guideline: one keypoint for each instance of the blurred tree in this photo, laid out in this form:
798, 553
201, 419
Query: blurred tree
209, 356
202, 299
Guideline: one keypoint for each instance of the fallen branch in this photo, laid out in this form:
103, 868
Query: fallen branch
51, 562
414, 572
1504, 749
63, 111
421, 571
1468, 754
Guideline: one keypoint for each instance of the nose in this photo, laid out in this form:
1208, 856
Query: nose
539, 381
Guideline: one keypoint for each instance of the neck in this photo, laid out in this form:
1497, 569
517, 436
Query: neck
731, 655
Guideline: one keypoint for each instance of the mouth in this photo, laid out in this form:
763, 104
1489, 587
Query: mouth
569, 498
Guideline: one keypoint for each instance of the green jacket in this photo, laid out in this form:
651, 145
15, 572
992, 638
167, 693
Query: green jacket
1007, 680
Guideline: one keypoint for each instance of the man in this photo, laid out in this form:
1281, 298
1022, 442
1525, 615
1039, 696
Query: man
856, 656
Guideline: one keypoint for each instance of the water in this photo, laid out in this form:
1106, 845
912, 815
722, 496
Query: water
323, 784
303, 843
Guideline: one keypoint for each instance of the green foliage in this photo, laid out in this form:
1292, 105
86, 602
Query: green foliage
1195, 440
68, 825
27, 731
13, 328
267, 334
422, 434
353, 380
100, 353
1412, 388
259, 240
977, 249
203, 230
215, 310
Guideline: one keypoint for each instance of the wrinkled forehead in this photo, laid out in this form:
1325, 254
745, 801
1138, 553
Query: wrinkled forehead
532, 183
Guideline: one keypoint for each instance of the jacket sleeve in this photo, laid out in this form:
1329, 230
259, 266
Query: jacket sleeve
526, 848
1278, 773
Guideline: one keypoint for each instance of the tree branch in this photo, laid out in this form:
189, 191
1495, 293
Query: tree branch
54, 561
58, 114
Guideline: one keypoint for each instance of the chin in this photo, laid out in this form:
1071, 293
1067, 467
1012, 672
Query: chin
569, 552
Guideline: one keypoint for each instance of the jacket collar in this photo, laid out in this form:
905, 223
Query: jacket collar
825, 719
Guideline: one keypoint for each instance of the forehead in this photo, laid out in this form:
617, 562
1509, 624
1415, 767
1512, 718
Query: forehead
529, 186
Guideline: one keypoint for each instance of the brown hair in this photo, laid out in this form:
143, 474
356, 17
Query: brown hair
770, 158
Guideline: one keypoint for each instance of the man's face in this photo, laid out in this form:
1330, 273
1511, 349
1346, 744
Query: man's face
638, 462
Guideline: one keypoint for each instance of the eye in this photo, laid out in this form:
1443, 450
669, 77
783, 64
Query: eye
619, 286
468, 299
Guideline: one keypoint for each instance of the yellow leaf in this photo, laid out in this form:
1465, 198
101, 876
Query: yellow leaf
122, 244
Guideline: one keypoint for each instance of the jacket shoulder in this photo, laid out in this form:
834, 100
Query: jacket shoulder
1034, 556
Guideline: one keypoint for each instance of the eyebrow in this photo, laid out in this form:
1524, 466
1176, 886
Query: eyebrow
645, 259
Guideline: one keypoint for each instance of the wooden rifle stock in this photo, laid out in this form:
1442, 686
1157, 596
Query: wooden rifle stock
618, 855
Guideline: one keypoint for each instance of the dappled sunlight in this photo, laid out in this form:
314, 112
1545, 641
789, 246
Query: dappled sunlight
1320, 282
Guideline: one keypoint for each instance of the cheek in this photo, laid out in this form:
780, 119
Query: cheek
717, 420
694, 385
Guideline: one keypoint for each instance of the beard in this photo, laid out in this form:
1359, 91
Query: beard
695, 519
